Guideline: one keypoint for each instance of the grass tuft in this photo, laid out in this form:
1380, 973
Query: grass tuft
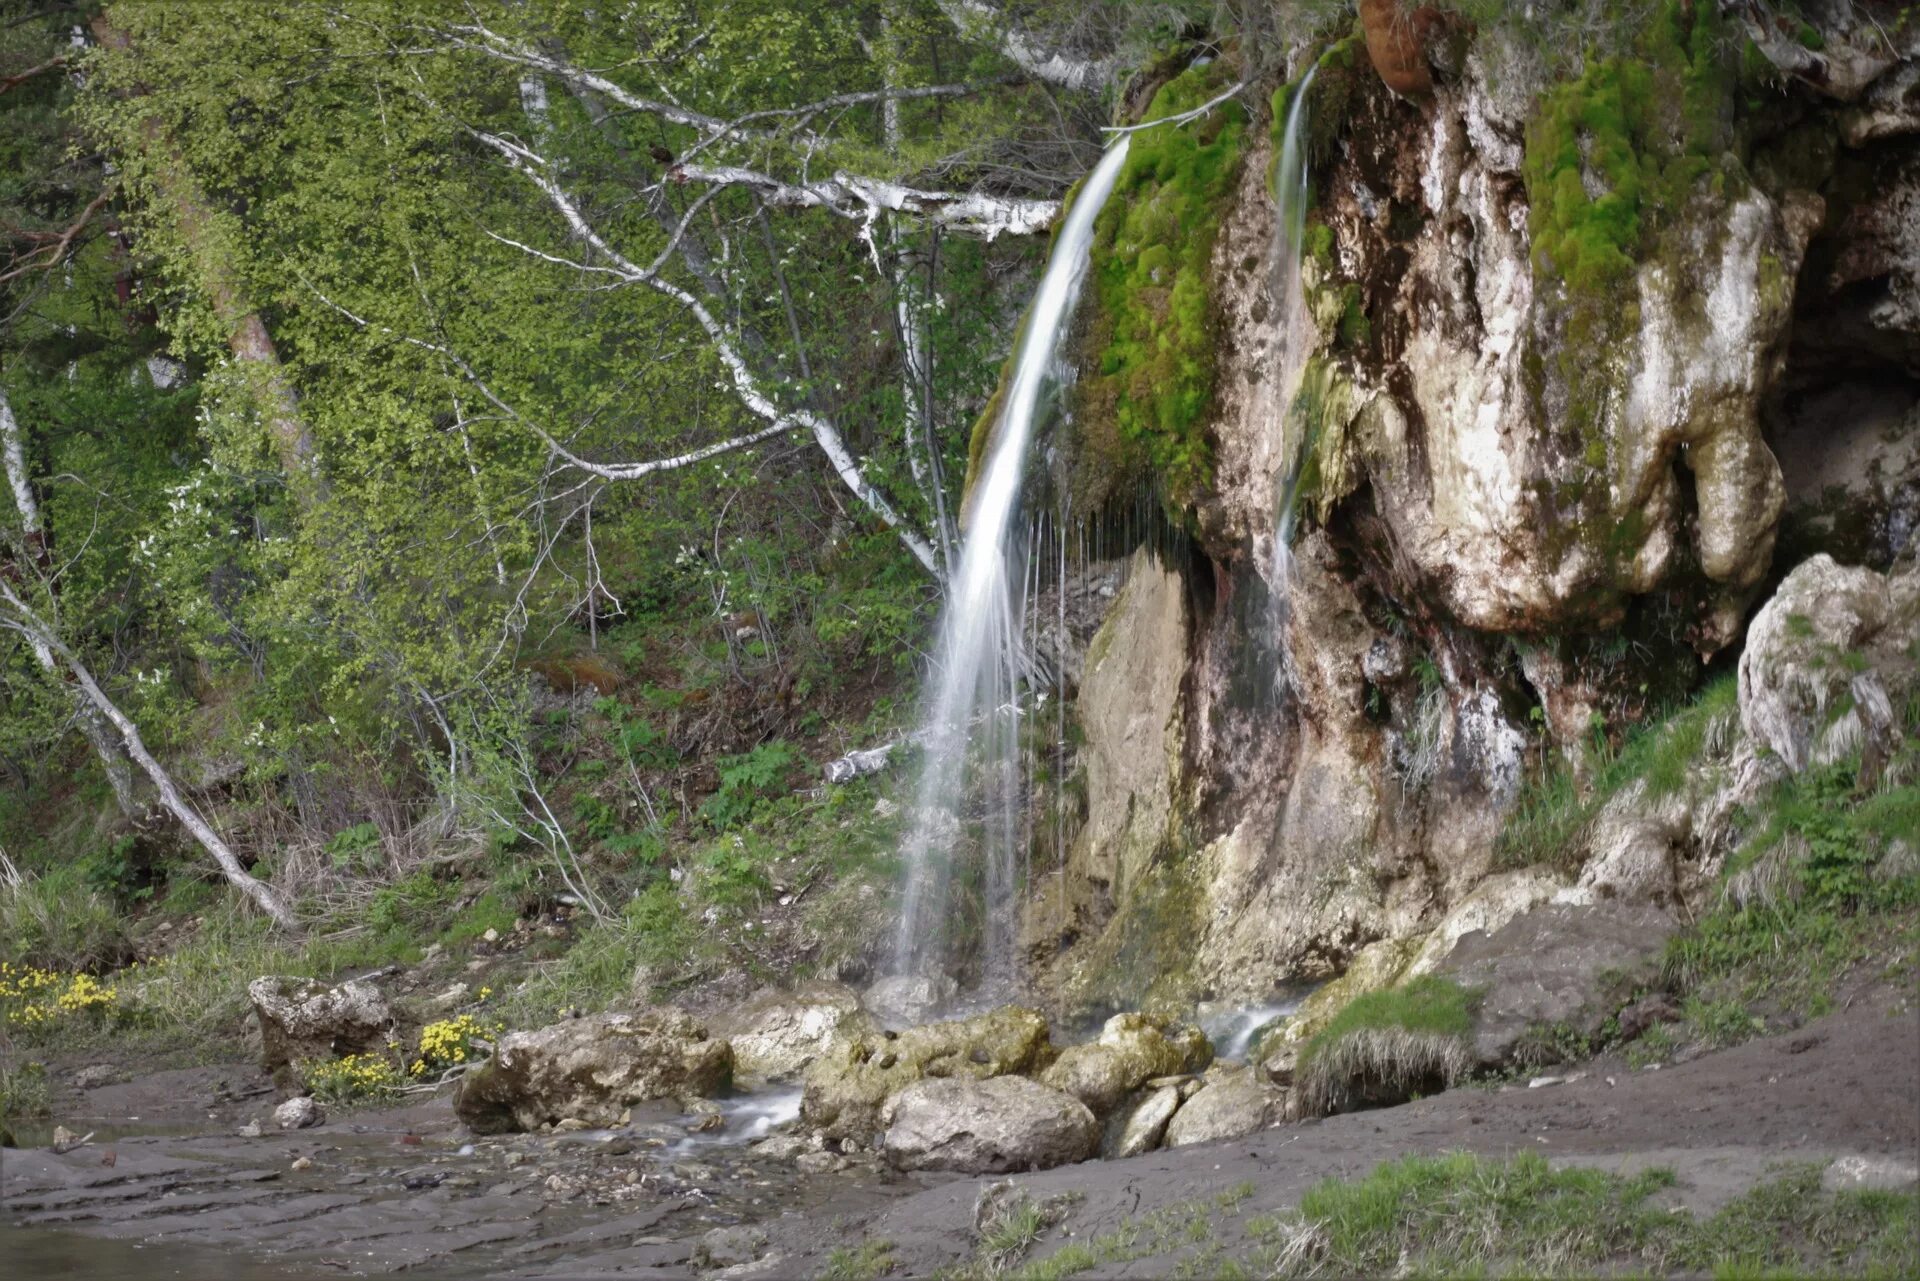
1388, 1046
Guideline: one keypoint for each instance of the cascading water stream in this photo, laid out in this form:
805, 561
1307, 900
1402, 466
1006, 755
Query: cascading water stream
1296, 329
973, 718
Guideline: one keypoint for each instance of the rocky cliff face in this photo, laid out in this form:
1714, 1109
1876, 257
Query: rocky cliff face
1593, 356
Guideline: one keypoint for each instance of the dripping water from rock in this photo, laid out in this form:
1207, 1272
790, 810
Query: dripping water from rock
970, 832
1295, 339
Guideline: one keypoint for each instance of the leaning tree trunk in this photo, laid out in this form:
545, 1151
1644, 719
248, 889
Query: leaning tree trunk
17, 614
247, 335
34, 549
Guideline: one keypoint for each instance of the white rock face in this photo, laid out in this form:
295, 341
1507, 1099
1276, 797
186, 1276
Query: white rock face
299, 1113
302, 1019
1232, 1103
591, 1070
1826, 658
902, 1000
1146, 1125
993, 1126
776, 1034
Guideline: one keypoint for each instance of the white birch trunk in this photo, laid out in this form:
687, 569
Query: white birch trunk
13, 456
26, 621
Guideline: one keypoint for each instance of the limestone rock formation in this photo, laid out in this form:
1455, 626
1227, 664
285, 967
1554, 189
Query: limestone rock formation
1829, 661
591, 1070
304, 1019
1233, 1102
1131, 1050
1536, 469
848, 1086
1144, 1125
991, 1126
902, 1000
299, 1113
775, 1034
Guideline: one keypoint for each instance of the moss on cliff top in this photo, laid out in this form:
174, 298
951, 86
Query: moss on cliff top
1145, 397
1611, 153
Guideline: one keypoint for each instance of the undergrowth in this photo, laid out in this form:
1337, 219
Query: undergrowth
1467, 1215
1550, 823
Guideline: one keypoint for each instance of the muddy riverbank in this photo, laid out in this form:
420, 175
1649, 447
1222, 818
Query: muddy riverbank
411, 1189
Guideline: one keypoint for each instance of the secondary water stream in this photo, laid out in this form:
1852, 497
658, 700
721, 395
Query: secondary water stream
973, 729
1296, 333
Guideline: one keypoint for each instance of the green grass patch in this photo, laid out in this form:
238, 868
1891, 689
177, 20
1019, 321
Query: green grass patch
24, 1090
1387, 1046
1550, 823
1826, 884
867, 1261
1466, 1215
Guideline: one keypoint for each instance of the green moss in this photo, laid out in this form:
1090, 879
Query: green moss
1642, 130
1620, 162
1149, 384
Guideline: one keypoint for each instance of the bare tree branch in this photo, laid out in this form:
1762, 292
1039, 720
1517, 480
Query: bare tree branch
850, 196
746, 385
979, 20
18, 616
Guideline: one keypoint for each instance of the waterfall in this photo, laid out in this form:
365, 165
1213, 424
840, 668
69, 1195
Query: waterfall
1296, 330
973, 728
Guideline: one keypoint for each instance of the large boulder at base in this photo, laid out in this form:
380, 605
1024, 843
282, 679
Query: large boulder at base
1829, 662
1143, 1125
776, 1034
1132, 1049
1232, 1103
847, 1086
993, 1126
302, 1019
1558, 966
593, 1070
902, 1000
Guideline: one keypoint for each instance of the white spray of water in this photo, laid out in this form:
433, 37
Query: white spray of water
1296, 328
975, 701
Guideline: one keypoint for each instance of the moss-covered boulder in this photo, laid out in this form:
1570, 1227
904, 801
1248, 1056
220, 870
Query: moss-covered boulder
1131, 1050
848, 1086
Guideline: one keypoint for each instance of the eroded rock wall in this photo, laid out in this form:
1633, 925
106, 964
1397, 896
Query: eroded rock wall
1541, 487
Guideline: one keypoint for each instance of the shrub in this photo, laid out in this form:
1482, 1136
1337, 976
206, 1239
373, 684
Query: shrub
748, 782
450, 1042
357, 1078
23, 1089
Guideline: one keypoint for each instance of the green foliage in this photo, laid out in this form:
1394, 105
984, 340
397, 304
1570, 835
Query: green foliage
1643, 128
1151, 380
868, 1261
357, 1078
1819, 888
24, 1090
58, 920
1550, 821
750, 781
